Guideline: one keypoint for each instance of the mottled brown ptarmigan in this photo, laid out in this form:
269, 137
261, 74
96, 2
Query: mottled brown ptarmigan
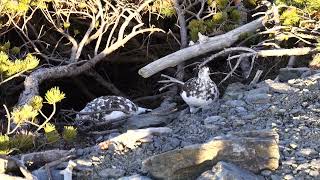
200, 91
105, 108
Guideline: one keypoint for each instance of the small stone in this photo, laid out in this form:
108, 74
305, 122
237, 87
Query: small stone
83, 162
234, 91
280, 87
305, 104
212, 127
266, 173
249, 116
260, 90
314, 173
275, 177
288, 162
241, 110
295, 111
207, 175
288, 177
235, 103
315, 164
307, 152
303, 166
95, 158
99, 138
213, 122
238, 122
258, 98
111, 173
293, 145
286, 74
80, 152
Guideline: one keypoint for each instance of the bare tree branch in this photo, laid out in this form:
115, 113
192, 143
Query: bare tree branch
214, 43
116, 15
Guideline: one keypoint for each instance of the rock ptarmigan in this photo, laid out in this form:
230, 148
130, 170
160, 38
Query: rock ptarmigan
105, 108
200, 91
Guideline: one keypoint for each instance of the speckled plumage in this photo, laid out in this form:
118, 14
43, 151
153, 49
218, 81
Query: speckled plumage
121, 106
200, 91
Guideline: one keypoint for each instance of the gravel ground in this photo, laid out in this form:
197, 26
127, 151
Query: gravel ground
292, 109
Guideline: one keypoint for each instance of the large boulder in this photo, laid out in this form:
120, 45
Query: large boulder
254, 151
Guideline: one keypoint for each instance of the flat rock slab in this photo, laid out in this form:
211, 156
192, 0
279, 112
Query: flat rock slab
228, 171
280, 87
286, 74
253, 151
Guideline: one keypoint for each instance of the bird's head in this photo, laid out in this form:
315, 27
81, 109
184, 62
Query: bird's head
204, 72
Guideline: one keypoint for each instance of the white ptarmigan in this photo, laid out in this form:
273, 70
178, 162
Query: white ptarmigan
200, 91
105, 108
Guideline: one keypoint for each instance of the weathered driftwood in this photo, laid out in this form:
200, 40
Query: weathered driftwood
287, 52
212, 44
130, 138
8, 164
42, 158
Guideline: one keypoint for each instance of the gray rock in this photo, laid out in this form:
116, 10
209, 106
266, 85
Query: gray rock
241, 110
240, 148
207, 175
280, 87
235, 103
275, 177
293, 145
266, 173
257, 98
315, 164
223, 171
286, 74
213, 122
111, 173
314, 173
42, 174
135, 177
249, 116
234, 91
260, 90
307, 152
288, 177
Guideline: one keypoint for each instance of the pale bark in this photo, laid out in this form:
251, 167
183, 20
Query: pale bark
213, 44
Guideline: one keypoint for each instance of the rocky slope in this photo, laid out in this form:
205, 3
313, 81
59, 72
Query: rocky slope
291, 109
269, 130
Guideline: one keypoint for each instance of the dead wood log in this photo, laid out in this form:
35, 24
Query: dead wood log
10, 164
212, 44
287, 52
130, 138
42, 158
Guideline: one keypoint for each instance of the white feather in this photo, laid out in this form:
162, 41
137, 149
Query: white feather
194, 101
113, 115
